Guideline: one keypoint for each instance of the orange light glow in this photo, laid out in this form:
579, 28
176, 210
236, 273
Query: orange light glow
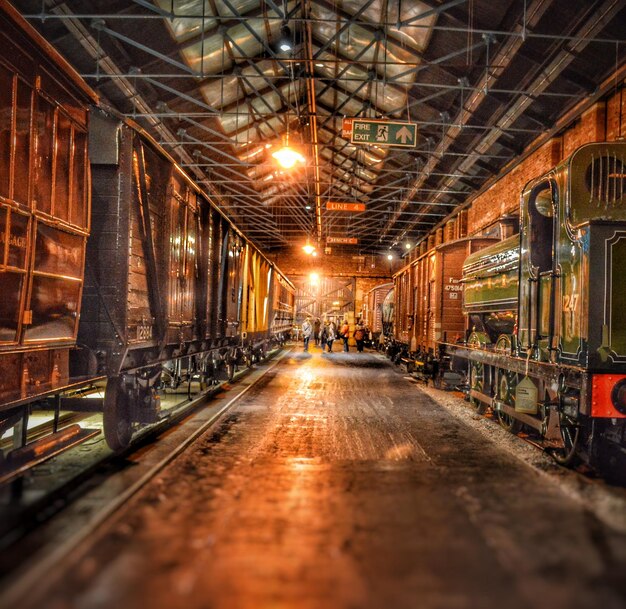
287, 157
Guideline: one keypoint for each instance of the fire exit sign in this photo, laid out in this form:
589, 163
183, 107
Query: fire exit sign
384, 133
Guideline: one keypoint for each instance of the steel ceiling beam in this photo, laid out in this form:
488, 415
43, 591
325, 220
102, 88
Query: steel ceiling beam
43, 16
433, 11
313, 126
595, 22
100, 26
505, 55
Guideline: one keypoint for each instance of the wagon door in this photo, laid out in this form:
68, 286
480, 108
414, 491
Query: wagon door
235, 268
433, 326
58, 228
183, 240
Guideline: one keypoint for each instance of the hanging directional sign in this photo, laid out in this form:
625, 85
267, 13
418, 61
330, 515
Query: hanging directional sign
338, 206
346, 128
346, 125
384, 133
342, 240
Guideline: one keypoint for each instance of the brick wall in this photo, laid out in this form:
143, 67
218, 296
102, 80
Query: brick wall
336, 264
368, 271
503, 197
603, 121
591, 127
616, 116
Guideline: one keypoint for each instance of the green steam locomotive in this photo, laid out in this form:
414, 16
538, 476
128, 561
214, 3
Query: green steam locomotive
545, 312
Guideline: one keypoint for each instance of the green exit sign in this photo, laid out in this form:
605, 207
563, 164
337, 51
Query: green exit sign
384, 133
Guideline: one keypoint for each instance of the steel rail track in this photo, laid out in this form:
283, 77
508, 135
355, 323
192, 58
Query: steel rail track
46, 427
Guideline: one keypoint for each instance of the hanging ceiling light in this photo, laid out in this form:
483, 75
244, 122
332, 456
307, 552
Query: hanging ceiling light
308, 247
285, 43
287, 157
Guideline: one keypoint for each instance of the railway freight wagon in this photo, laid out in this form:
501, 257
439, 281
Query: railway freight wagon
44, 219
373, 309
428, 303
387, 317
150, 287
172, 289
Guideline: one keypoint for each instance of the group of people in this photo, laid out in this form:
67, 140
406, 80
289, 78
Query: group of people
326, 335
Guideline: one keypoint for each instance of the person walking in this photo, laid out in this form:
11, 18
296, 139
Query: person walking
359, 337
331, 334
344, 332
324, 335
317, 328
307, 328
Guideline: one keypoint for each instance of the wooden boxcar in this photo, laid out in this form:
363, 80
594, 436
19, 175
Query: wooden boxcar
428, 297
44, 216
150, 287
373, 311
172, 288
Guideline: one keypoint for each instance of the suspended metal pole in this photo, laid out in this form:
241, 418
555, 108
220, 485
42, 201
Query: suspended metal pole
310, 85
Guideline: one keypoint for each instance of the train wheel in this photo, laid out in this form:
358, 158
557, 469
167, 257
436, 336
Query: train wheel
570, 435
507, 382
118, 429
477, 383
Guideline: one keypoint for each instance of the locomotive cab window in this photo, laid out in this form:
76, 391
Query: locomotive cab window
597, 184
605, 179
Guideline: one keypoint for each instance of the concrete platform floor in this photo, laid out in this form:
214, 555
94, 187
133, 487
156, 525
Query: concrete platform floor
337, 483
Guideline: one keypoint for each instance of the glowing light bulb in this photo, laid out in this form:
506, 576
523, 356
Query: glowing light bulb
287, 157
308, 249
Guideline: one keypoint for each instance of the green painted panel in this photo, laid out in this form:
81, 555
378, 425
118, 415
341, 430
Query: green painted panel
384, 133
490, 277
495, 293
